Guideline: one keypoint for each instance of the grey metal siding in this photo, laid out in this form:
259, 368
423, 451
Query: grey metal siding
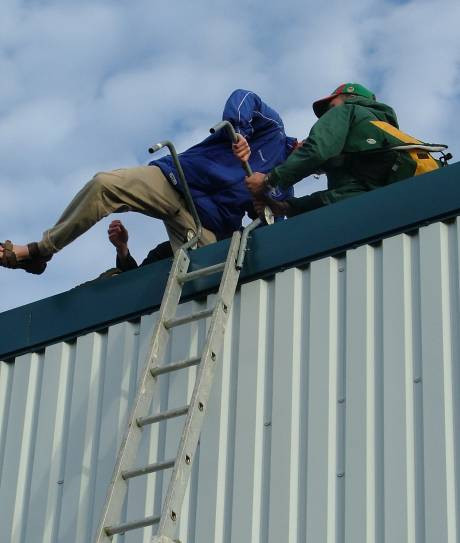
334, 417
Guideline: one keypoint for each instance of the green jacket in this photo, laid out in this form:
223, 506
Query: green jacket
341, 144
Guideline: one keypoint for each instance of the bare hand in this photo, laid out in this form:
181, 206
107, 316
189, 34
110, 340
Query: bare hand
255, 183
241, 149
118, 236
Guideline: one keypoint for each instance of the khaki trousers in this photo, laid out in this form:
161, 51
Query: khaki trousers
143, 189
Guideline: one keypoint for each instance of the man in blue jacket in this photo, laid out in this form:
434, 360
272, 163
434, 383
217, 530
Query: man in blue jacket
215, 178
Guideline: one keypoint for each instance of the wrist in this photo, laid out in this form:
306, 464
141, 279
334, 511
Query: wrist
122, 251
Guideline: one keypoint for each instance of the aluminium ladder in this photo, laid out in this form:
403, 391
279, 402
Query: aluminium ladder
182, 464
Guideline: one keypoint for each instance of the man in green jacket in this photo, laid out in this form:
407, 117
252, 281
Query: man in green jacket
352, 143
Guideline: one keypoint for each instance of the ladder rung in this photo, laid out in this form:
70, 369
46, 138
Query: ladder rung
188, 318
158, 370
122, 528
201, 273
150, 468
143, 421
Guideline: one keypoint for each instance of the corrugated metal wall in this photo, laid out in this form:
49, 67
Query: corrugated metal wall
334, 418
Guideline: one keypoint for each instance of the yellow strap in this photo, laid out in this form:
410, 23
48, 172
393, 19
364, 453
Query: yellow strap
426, 163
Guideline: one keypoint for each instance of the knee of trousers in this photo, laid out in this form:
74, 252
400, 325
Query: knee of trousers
102, 181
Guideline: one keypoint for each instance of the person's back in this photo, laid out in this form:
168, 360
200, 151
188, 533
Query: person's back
347, 169
368, 158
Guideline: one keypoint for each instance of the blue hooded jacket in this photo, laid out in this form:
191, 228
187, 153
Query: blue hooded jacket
215, 175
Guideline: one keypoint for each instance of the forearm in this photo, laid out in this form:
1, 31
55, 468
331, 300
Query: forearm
125, 261
325, 141
303, 162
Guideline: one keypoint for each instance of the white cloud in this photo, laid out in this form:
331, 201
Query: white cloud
417, 52
31, 133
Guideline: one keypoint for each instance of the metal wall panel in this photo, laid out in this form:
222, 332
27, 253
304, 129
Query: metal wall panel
334, 417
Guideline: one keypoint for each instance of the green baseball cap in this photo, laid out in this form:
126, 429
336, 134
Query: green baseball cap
321, 106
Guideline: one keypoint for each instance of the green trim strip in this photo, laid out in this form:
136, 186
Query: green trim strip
326, 231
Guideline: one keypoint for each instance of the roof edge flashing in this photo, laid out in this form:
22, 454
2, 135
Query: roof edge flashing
367, 218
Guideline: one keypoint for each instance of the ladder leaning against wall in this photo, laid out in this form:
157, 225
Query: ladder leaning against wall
125, 468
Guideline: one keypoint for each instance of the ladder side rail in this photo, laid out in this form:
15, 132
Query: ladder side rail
186, 191
195, 417
130, 443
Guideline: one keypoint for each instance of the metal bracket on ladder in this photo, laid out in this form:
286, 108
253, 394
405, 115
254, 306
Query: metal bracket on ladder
140, 417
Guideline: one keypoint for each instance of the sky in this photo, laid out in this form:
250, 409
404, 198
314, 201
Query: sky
87, 86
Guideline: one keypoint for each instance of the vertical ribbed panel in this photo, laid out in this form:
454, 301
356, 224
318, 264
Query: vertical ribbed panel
360, 398
21, 434
284, 426
437, 331
333, 419
142, 491
322, 356
250, 453
398, 391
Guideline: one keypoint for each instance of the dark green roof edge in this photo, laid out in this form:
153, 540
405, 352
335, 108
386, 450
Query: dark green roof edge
369, 217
